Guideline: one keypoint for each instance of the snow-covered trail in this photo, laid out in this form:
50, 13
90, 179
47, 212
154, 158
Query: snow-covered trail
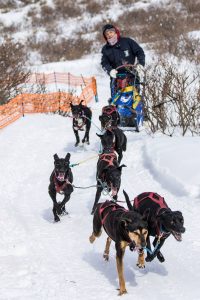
43, 260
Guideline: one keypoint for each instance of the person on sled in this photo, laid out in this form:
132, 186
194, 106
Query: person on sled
120, 51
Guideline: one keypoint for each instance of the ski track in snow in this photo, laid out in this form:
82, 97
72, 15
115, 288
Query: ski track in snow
42, 260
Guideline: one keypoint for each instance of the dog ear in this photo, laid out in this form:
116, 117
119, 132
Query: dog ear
178, 213
124, 222
67, 157
99, 135
71, 105
128, 202
80, 104
56, 156
145, 215
120, 167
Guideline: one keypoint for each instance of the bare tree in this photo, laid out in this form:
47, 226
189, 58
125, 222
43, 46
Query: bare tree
172, 99
13, 71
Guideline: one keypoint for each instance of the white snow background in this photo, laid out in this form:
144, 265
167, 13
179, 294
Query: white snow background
43, 260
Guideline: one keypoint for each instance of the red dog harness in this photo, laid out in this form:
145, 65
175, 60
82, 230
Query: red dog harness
114, 208
154, 197
157, 199
60, 188
108, 157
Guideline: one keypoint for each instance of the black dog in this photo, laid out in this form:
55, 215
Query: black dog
109, 173
125, 228
115, 140
60, 182
109, 117
82, 116
162, 221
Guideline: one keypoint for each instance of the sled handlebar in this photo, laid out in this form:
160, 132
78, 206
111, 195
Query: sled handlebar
126, 66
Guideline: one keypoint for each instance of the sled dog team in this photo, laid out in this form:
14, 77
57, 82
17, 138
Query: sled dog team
148, 215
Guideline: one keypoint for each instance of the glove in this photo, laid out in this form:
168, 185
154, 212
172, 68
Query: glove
140, 71
113, 73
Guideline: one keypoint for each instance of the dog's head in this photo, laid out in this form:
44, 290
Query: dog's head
61, 166
106, 120
109, 116
173, 222
113, 178
107, 140
77, 110
135, 226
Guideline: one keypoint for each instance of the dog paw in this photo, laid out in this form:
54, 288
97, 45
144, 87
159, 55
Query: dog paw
149, 258
106, 256
92, 238
121, 292
160, 257
76, 144
141, 266
56, 219
64, 213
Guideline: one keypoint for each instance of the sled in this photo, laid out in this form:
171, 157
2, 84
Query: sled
127, 99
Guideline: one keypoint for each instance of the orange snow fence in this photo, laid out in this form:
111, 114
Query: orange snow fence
50, 102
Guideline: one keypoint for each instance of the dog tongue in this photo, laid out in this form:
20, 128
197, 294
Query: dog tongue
114, 191
61, 176
177, 236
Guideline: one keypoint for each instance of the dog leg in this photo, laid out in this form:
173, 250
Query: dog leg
98, 194
120, 269
141, 261
55, 208
107, 249
148, 258
68, 190
97, 226
160, 257
77, 137
93, 236
52, 194
120, 156
86, 136
158, 253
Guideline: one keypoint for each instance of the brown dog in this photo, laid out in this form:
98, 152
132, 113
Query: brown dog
125, 228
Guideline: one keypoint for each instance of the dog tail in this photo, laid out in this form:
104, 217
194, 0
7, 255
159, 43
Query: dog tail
128, 202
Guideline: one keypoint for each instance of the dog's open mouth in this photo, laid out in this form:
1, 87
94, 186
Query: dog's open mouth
61, 176
177, 235
114, 191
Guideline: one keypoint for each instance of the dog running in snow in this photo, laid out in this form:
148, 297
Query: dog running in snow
82, 116
162, 221
125, 228
61, 182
